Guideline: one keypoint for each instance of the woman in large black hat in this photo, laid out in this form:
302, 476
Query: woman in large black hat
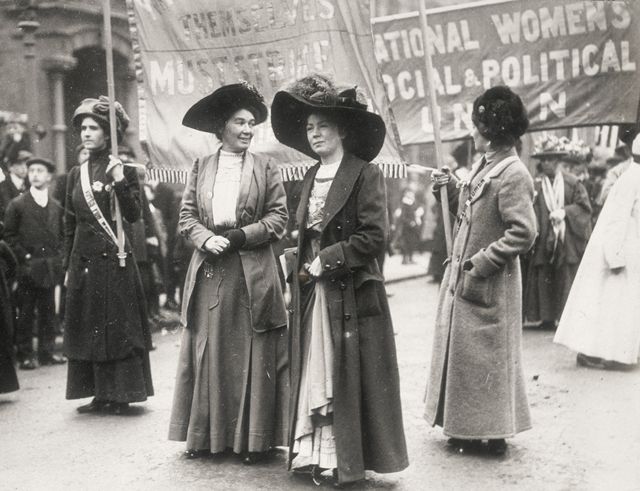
476, 387
232, 382
345, 404
106, 336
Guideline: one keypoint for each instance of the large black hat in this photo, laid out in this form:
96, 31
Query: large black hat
213, 110
291, 108
98, 109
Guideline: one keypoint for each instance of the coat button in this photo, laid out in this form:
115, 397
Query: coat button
338, 262
327, 266
347, 317
105, 255
343, 286
338, 227
295, 253
290, 311
209, 195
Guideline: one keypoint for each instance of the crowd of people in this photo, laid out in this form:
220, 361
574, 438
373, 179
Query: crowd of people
320, 374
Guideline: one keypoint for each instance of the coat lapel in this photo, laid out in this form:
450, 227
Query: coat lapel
305, 193
208, 180
245, 184
477, 179
342, 186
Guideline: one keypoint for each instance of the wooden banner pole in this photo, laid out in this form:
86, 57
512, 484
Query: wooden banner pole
435, 120
111, 92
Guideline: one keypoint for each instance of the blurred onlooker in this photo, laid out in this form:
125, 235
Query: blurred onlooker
167, 197
407, 225
144, 239
618, 164
34, 232
8, 265
80, 157
17, 182
563, 214
16, 139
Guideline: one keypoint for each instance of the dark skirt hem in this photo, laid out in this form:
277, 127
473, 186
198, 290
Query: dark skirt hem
127, 380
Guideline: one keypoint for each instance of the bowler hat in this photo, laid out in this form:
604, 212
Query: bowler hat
316, 93
212, 110
46, 162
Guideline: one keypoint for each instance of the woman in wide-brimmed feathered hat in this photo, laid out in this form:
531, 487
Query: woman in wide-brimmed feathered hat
232, 382
343, 356
106, 337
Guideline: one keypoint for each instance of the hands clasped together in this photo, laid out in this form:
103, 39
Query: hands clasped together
229, 241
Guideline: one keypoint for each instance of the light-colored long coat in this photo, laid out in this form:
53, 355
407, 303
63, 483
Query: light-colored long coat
476, 386
601, 315
261, 212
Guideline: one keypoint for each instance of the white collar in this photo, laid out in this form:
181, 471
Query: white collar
17, 182
40, 196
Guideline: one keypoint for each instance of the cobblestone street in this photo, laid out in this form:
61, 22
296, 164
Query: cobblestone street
586, 431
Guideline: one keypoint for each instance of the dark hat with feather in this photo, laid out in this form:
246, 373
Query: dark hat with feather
365, 131
98, 109
212, 111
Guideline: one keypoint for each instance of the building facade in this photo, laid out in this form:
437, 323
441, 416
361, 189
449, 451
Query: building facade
52, 56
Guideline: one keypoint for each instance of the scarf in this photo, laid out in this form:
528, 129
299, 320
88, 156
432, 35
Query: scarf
554, 199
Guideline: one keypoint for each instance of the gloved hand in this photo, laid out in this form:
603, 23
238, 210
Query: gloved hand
236, 238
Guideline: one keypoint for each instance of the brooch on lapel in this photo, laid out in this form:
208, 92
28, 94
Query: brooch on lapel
462, 185
97, 186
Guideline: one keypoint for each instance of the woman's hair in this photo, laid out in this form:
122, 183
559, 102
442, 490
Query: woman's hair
220, 120
500, 116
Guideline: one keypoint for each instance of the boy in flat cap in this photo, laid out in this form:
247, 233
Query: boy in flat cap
34, 232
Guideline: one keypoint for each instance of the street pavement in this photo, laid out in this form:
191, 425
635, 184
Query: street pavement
586, 433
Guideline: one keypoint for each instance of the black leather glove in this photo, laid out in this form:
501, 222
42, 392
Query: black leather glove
236, 238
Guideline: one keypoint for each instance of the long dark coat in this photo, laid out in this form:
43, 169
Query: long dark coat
105, 317
35, 233
367, 418
8, 266
8, 191
476, 384
548, 284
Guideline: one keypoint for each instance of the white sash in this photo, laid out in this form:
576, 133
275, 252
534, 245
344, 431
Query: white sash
91, 202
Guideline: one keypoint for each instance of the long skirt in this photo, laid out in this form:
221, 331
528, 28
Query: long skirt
232, 385
314, 441
126, 380
547, 290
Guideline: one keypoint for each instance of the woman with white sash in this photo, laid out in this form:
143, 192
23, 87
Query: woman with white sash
106, 337
476, 387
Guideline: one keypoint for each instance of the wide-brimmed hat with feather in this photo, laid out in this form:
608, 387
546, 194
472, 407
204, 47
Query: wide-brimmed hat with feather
317, 93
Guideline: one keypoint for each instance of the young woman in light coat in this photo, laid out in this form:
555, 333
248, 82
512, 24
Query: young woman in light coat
476, 385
